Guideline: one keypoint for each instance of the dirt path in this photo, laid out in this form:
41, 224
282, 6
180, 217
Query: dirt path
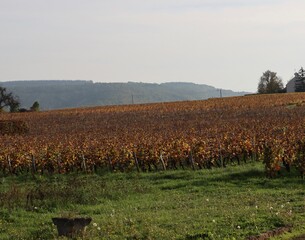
275, 232
299, 237
271, 233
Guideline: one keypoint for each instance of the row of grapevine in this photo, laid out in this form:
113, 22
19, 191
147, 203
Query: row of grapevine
197, 134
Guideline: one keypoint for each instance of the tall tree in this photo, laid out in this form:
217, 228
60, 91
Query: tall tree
300, 80
35, 107
270, 83
7, 100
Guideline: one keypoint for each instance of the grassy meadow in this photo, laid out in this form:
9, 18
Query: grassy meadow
231, 203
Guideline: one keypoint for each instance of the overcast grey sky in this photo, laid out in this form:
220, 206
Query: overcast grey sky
224, 43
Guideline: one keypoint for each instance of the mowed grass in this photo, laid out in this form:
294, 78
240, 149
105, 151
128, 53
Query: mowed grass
230, 203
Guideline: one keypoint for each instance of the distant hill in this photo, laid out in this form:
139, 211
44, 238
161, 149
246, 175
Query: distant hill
58, 94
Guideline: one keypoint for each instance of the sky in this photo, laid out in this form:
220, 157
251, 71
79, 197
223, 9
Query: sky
223, 43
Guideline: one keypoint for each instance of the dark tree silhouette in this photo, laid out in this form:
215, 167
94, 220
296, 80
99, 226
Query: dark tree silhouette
7, 100
270, 83
35, 107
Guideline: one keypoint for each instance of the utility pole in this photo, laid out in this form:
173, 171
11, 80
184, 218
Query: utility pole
220, 93
132, 101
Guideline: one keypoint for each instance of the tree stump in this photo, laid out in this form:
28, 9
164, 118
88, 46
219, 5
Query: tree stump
71, 227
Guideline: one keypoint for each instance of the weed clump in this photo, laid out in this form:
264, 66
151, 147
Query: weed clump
12, 127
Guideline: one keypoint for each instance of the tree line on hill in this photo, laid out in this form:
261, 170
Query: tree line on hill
56, 94
59, 94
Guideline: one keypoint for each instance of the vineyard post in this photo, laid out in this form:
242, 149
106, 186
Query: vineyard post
110, 164
58, 166
220, 156
9, 164
162, 161
136, 161
33, 164
84, 167
192, 160
254, 152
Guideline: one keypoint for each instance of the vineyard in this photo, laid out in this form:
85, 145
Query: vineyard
149, 137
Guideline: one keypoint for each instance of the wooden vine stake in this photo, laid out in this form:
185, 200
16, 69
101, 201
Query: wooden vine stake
33, 164
9, 164
58, 166
192, 160
136, 161
110, 163
162, 161
84, 167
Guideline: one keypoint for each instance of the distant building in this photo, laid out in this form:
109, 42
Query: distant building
297, 84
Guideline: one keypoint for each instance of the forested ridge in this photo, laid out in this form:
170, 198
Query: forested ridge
58, 94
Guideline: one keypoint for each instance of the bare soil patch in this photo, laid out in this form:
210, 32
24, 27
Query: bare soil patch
272, 233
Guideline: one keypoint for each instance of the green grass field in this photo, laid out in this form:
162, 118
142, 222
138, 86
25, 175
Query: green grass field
230, 203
